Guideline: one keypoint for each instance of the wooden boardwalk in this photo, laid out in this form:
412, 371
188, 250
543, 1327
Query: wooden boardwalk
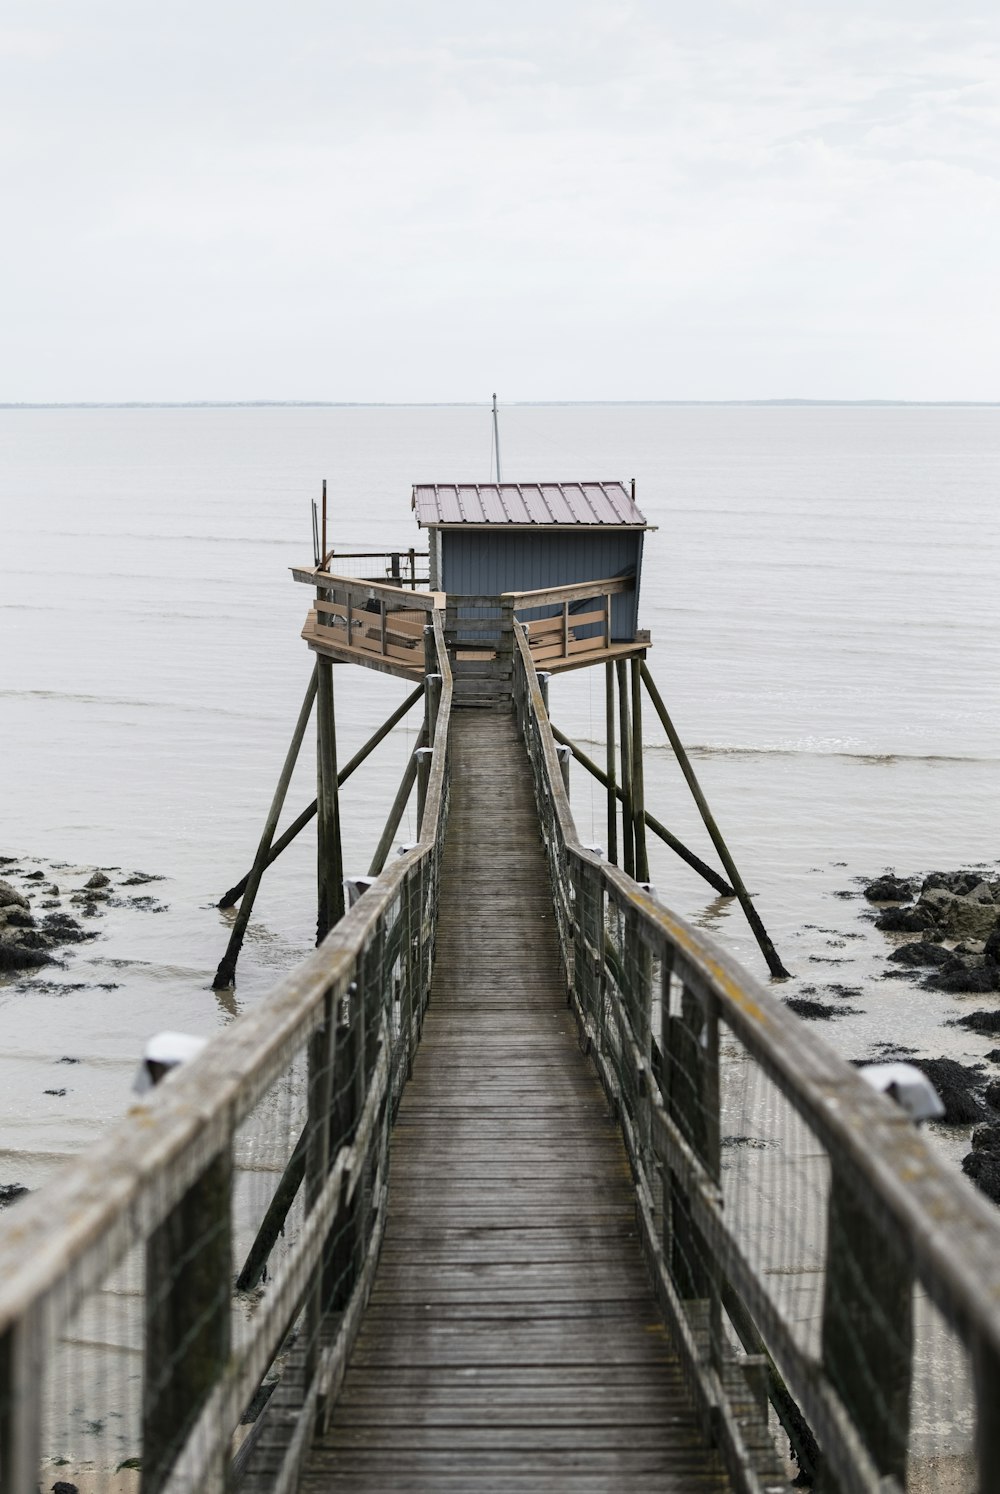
512, 1341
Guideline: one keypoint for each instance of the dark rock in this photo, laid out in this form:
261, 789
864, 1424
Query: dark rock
984, 1170
817, 1011
889, 889
955, 1083
17, 956
923, 952
839, 990
994, 1055
35, 876
139, 879
10, 897
97, 880
10, 1193
979, 1021
53, 1092
906, 920
959, 917
992, 1093
68, 1060
959, 882
62, 1487
991, 948
64, 928
15, 917
964, 975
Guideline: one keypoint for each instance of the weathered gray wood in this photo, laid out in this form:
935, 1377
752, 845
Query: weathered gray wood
397, 809
868, 1324
625, 748
329, 858
577, 591
424, 601
610, 777
187, 1307
638, 788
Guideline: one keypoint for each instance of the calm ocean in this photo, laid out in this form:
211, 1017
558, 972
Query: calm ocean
822, 591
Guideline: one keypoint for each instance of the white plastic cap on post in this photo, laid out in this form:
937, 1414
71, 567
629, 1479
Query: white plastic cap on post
908, 1086
597, 851
405, 849
162, 1053
423, 752
648, 887
355, 886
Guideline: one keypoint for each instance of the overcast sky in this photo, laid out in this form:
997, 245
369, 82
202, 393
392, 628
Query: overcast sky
382, 200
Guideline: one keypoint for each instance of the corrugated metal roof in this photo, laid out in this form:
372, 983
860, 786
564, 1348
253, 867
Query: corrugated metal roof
525, 503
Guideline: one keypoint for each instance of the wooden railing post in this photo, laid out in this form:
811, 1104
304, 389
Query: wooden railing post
21, 1368
187, 1320
868, 1323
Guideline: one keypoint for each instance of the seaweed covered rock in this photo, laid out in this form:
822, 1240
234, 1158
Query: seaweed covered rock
923, 952
889, 889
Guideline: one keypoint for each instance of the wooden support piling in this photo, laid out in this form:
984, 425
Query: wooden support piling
609, 781
396, 812
232, 897
226, 973
753, 918
695, 862
625, 745
329, 860
638, 790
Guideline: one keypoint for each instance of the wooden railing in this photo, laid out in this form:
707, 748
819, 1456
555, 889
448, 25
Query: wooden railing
809, 1247
378, 623
125, 1260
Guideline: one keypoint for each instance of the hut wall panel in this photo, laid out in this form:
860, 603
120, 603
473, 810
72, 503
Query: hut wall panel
487, 562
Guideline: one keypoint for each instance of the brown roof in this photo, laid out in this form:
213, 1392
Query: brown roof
569, 503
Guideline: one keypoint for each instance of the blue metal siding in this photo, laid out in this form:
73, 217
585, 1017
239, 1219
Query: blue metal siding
488, 563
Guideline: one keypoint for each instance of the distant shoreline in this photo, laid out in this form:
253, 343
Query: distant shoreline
445, 404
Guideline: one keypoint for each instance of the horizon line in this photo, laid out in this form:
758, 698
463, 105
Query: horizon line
325, 404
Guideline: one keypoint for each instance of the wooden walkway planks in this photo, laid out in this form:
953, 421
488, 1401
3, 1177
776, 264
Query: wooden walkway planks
512, 1341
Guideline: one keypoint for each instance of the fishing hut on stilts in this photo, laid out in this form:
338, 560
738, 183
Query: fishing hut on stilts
561, 561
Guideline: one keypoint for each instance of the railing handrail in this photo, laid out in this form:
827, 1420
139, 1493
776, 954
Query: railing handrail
58, 1241
379, 591
553, 596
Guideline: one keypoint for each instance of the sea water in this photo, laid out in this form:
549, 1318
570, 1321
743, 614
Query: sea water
822, 593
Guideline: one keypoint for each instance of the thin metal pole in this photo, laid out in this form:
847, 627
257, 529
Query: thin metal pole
695, 862
329, 862
232, 897
638, 790
753, 918
496, 437
226, 973
625, 745
610, 781
325, 557
398, 806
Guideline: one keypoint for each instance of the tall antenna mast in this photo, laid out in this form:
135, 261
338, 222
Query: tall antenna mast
496, 437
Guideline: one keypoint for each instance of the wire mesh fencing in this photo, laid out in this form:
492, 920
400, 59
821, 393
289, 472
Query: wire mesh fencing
833, 1288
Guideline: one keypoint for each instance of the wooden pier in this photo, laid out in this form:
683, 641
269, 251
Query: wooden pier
512, 1339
